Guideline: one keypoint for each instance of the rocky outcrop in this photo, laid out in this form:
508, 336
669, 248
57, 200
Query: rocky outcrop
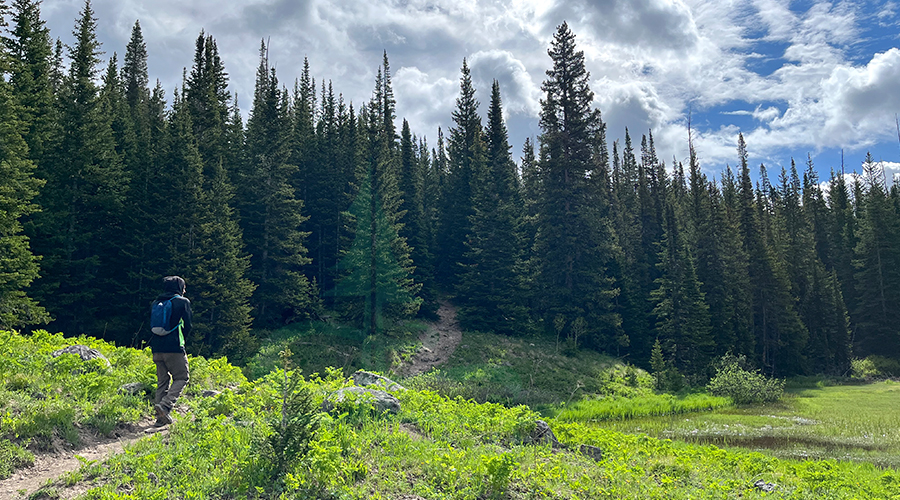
380, 400
542, 434
86, 353
363, 378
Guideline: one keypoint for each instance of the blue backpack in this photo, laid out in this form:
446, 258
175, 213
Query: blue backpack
160, 314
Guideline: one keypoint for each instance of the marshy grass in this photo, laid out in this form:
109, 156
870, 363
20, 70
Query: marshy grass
856, 422
621, 408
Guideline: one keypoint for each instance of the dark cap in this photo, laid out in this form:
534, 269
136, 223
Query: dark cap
173, 284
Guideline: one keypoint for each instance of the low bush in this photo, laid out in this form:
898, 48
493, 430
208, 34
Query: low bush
874, 368
744, 386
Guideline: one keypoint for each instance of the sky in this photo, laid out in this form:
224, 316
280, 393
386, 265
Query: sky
800, 79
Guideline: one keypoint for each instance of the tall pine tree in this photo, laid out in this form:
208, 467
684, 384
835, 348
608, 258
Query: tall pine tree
574, 241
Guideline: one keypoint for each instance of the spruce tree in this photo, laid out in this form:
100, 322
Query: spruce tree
270, 214
877, 263
201, 241
207, 97
819, 306
80, 231
682, 315
415, 225
574, 241
780, 335
18, 188
465, 161
376, 269
30, 68
490, 287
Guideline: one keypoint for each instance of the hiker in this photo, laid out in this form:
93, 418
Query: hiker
170, 321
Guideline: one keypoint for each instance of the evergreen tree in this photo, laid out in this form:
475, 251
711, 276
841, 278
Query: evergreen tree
823, 315
877, 264
413, 171
682, 315
18, 187
79, 233
270, 214
780, 335
201, 240
30, 73
490, 288
207, 96
466, 159
843, 236
574, 241
376, 268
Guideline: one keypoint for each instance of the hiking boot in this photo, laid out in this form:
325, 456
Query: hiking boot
162, 416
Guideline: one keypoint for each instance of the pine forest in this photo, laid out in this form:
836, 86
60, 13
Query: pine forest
310, 206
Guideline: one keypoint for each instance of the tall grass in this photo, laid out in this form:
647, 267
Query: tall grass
620, 408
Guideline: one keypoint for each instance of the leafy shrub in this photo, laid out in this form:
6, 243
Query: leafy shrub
742, 385
498, 470
626, 381
875, 367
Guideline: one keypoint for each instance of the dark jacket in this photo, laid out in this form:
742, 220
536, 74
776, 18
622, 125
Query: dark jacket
181, 311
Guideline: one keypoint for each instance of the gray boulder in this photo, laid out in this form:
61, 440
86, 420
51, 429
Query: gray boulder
542, 434
363, 378
86, 353
764, 486
380, 400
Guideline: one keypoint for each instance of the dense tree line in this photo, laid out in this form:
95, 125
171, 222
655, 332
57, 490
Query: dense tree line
315, 205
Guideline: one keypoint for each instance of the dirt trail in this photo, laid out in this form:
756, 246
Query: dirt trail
438, 343
50, 465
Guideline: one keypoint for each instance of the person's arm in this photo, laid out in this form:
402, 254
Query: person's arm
187, 317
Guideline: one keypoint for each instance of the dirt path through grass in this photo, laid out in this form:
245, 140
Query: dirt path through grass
438, 343
50, 465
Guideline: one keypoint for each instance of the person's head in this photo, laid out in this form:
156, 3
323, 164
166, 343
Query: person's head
173, 284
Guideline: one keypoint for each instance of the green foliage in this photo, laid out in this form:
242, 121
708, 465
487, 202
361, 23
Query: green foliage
287, 440
735, 381
317, 346
874, 367
270, 212
46, 397
455, 449
12, 457
622, 408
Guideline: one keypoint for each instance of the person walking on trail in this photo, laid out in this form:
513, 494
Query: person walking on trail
170, 322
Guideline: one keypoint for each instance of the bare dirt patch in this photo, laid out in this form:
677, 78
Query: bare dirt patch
50, 465
438, 343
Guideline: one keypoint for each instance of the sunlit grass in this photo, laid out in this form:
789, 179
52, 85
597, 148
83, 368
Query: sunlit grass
620, 408
859, 422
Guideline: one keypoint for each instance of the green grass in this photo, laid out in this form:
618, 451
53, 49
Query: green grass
853, 422
436, 447
621, 408
453, 450
319, 345
530, 370
43, 398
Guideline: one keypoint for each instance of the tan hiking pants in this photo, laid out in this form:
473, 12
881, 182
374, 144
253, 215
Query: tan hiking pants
170, 366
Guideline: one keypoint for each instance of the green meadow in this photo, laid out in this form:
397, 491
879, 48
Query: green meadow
858, 423
436, 447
